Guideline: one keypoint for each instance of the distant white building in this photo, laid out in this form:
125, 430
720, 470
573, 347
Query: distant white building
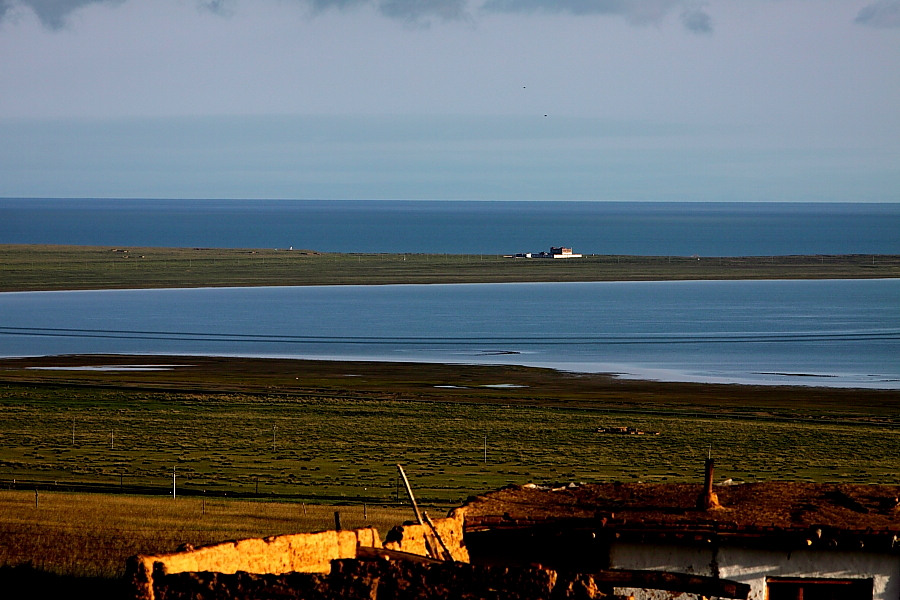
555, 252
563, 253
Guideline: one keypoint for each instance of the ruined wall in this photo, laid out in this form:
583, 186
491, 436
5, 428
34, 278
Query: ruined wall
301, 553
397, 580
284, 554
411, 538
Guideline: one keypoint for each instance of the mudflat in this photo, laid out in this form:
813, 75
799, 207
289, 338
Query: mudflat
454, 383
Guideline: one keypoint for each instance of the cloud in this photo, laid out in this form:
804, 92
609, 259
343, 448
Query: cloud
420, 11
412, 11
54, 14
51, 13
884, 13
636, 12
696, 20
219, 7
319, 5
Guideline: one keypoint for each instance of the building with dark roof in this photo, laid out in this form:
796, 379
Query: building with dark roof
787, 541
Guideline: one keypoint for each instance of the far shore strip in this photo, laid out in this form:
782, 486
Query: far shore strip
50, 267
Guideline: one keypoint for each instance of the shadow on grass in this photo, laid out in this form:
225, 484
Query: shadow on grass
25, 582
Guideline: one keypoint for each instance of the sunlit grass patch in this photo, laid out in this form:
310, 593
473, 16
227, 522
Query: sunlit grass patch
91, 535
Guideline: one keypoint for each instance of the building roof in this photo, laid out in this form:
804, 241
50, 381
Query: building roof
809, 514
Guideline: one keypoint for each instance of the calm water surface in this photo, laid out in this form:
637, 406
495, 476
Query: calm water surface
641, 228
835, 333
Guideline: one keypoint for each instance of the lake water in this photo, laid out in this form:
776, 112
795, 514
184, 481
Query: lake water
838, 333
661, 229
843, 333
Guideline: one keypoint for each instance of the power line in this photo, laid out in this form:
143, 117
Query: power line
636, 338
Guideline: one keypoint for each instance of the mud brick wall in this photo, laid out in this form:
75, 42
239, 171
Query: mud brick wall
387, 580
411, 538
284, 554
297, 553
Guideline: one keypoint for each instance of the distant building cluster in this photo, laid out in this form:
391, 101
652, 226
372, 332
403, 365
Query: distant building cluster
555, 252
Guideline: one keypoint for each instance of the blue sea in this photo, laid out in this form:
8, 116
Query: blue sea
657, 229
842, 333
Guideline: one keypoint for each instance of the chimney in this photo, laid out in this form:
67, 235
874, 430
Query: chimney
708, 499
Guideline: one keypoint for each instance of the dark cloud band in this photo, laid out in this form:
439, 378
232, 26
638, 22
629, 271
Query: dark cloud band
51, 13
696, 21
637, 12
54, 14
884, 13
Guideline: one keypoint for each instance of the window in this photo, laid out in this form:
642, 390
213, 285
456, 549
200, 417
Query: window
783, 588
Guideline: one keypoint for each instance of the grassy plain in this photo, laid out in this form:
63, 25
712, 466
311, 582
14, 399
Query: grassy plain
93, 534
38, 267
310, 430
76, 545
263, 446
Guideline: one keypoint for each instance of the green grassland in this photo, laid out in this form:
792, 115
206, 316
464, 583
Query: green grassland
308, 430
39, 267
264, 446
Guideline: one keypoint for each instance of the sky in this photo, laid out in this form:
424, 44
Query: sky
620, 100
